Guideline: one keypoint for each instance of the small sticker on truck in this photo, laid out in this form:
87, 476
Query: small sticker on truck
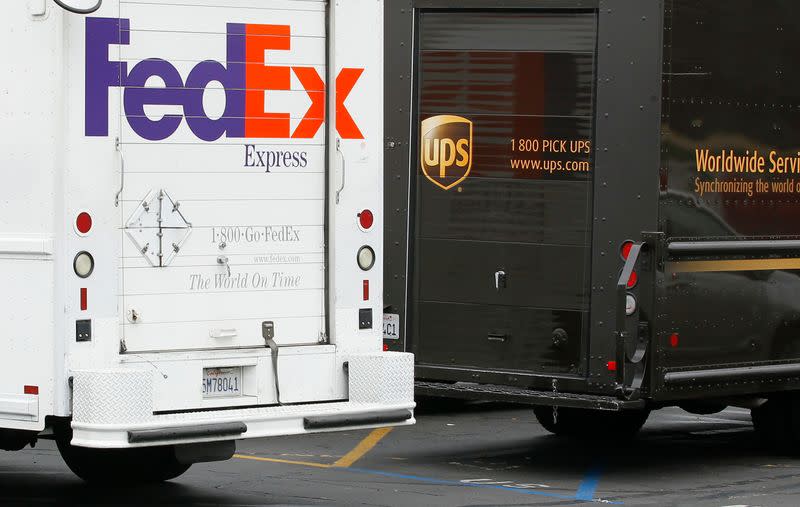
391, 326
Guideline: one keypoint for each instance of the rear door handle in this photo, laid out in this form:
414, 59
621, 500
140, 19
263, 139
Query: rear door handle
223, 333
497, 337
500, 280
224, 261
339, 151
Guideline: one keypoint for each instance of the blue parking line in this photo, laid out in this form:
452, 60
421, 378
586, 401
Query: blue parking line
443, 482
588, 485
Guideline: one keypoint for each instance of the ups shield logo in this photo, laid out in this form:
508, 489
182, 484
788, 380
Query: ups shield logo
446, 149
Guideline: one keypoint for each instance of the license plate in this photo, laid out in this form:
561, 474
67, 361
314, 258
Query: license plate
391, 326
222, 382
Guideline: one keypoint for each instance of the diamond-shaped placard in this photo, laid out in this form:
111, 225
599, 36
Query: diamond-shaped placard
143, 228
175, 229
172, 241
158, 228
171, 216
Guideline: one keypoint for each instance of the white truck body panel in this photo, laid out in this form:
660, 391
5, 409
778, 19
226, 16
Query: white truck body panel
195, 133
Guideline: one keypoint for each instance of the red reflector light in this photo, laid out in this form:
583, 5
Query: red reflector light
633, 280
366, 219
674, 339
31, 390
611, 365
84, 299
625, 250
366, 290
83, 223
385, 347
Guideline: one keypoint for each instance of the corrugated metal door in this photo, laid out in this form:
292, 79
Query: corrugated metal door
223, 212
503, 189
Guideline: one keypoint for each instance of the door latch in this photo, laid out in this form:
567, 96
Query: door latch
224, 261
497, 336
268, 333
223, 333
133, 316
500, 280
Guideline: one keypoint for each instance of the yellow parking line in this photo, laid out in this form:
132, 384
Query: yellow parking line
345, 461
285, 461
363, 447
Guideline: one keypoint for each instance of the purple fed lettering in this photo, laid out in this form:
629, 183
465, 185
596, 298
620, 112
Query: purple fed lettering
100, 72
137, 96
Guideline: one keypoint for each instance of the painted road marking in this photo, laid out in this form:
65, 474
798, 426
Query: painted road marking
362, 448
585, 491
432, 480
510, 484
588, 485
417, 478
284, 461
358, 452
444, 482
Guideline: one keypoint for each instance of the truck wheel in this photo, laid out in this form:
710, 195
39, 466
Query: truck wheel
775, 425
561, 426
701, 408
121, 466
583, 423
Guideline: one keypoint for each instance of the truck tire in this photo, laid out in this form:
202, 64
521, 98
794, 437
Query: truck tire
701, 408
560, 426
583, 423
777, 424
121, 466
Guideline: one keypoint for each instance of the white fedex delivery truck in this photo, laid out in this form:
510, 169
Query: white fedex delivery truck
190, 228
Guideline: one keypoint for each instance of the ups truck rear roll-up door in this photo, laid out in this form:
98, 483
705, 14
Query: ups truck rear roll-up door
503, 189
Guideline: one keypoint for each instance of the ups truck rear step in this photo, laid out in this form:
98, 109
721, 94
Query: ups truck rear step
493, 392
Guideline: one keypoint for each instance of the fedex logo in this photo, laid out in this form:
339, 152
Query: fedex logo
245, 76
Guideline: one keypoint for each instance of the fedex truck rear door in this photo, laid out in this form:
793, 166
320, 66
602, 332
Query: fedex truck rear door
222, 207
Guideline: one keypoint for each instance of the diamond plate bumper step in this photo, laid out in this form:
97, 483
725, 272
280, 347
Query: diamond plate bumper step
491, 392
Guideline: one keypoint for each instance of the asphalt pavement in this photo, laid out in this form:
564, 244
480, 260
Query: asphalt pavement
458, 454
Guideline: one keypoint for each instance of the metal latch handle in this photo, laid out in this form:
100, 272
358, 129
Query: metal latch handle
497, 337
223, 333
121, 173
500, 280
268, 333
224, 261
339, 151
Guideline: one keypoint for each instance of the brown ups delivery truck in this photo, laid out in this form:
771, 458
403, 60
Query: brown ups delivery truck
595, 205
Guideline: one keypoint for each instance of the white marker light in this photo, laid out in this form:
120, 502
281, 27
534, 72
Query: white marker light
630, 305
83, 264
366, 258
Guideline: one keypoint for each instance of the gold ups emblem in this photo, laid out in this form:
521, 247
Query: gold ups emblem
446, 149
